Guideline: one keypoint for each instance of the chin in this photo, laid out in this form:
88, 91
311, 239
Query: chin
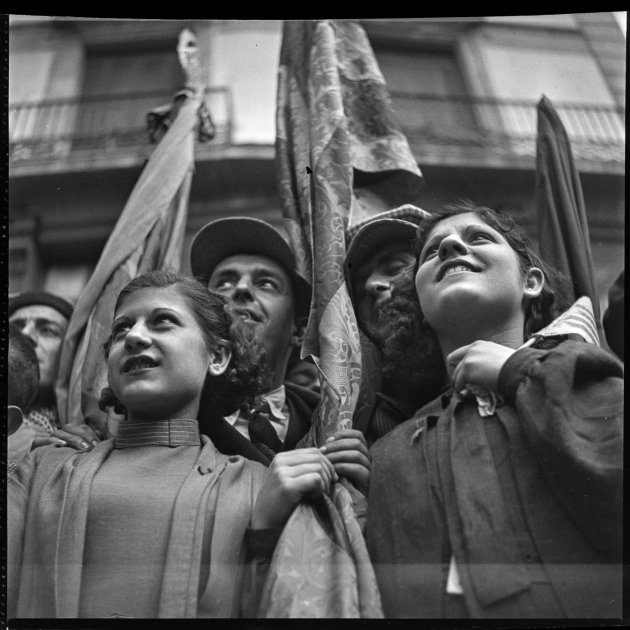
456, 305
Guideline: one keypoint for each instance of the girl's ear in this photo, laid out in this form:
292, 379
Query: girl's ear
533, 283
219, 360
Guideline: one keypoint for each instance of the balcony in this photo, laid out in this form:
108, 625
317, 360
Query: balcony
503, 132
93, 129
458, 131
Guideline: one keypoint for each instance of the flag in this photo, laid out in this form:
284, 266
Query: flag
563, 233
578, 321
147, 236
334, 123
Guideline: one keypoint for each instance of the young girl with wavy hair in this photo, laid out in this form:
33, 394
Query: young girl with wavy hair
155, 522
502, 498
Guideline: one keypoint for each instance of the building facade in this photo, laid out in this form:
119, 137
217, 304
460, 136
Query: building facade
465, 91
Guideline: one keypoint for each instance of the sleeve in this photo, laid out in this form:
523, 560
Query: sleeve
569, 401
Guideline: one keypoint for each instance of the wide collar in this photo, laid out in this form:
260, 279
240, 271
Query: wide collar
177, 432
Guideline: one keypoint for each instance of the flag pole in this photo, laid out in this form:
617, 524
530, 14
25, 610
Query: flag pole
148, 235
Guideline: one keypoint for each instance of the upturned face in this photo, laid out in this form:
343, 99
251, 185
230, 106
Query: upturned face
45, 327
158, 358
467, 266
374, 279
262, 294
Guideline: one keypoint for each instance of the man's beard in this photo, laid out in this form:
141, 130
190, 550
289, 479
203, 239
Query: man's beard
412, 365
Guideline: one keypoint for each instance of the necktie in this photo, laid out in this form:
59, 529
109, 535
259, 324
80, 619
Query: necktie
261, 432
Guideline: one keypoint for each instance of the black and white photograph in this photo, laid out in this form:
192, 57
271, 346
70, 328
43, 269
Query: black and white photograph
315, 319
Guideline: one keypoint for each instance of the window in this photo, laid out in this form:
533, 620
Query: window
517, 66
114, 81
24, 267
427, 90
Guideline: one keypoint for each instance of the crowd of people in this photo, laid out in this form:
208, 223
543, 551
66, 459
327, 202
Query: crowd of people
489, 454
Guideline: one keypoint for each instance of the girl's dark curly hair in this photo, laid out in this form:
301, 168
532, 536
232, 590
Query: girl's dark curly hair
556, 295
220, 325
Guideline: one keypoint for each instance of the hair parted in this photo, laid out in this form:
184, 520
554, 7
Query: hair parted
220, 325
555, 297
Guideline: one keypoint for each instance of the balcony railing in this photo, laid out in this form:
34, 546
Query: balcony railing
596, 132
57, 128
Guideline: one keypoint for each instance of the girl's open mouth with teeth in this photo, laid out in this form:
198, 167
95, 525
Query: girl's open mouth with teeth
451, 270
139, 363
455, 267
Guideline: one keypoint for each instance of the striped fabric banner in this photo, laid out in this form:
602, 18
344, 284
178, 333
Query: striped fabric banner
577, 320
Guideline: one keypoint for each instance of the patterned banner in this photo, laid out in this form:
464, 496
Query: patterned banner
148, 235
563, 233
334, 121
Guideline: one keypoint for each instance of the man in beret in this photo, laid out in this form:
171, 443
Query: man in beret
43, 318
379, 263
250, 262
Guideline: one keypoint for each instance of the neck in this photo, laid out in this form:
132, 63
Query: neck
511, 336
277, 372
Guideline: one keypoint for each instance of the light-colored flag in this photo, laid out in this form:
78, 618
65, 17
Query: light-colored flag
578, 321
148, 235
334, 122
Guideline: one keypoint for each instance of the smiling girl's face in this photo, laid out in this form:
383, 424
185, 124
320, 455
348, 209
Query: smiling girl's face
467, 268
158, 358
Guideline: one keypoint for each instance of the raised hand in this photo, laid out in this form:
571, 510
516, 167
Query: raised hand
478, 363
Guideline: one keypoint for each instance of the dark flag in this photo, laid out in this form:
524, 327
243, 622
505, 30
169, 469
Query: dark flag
563, 233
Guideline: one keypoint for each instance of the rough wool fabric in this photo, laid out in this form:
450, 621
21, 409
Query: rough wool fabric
528, 501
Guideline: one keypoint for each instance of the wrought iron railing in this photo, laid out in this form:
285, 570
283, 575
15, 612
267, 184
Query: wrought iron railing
596, 132
56, 128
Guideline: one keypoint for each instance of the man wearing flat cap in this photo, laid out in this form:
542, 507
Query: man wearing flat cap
43, 318
250, 262
379, 263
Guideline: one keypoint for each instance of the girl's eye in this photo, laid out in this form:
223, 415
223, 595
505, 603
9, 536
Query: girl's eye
164, 318
480, 236
429, 253
120, 329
